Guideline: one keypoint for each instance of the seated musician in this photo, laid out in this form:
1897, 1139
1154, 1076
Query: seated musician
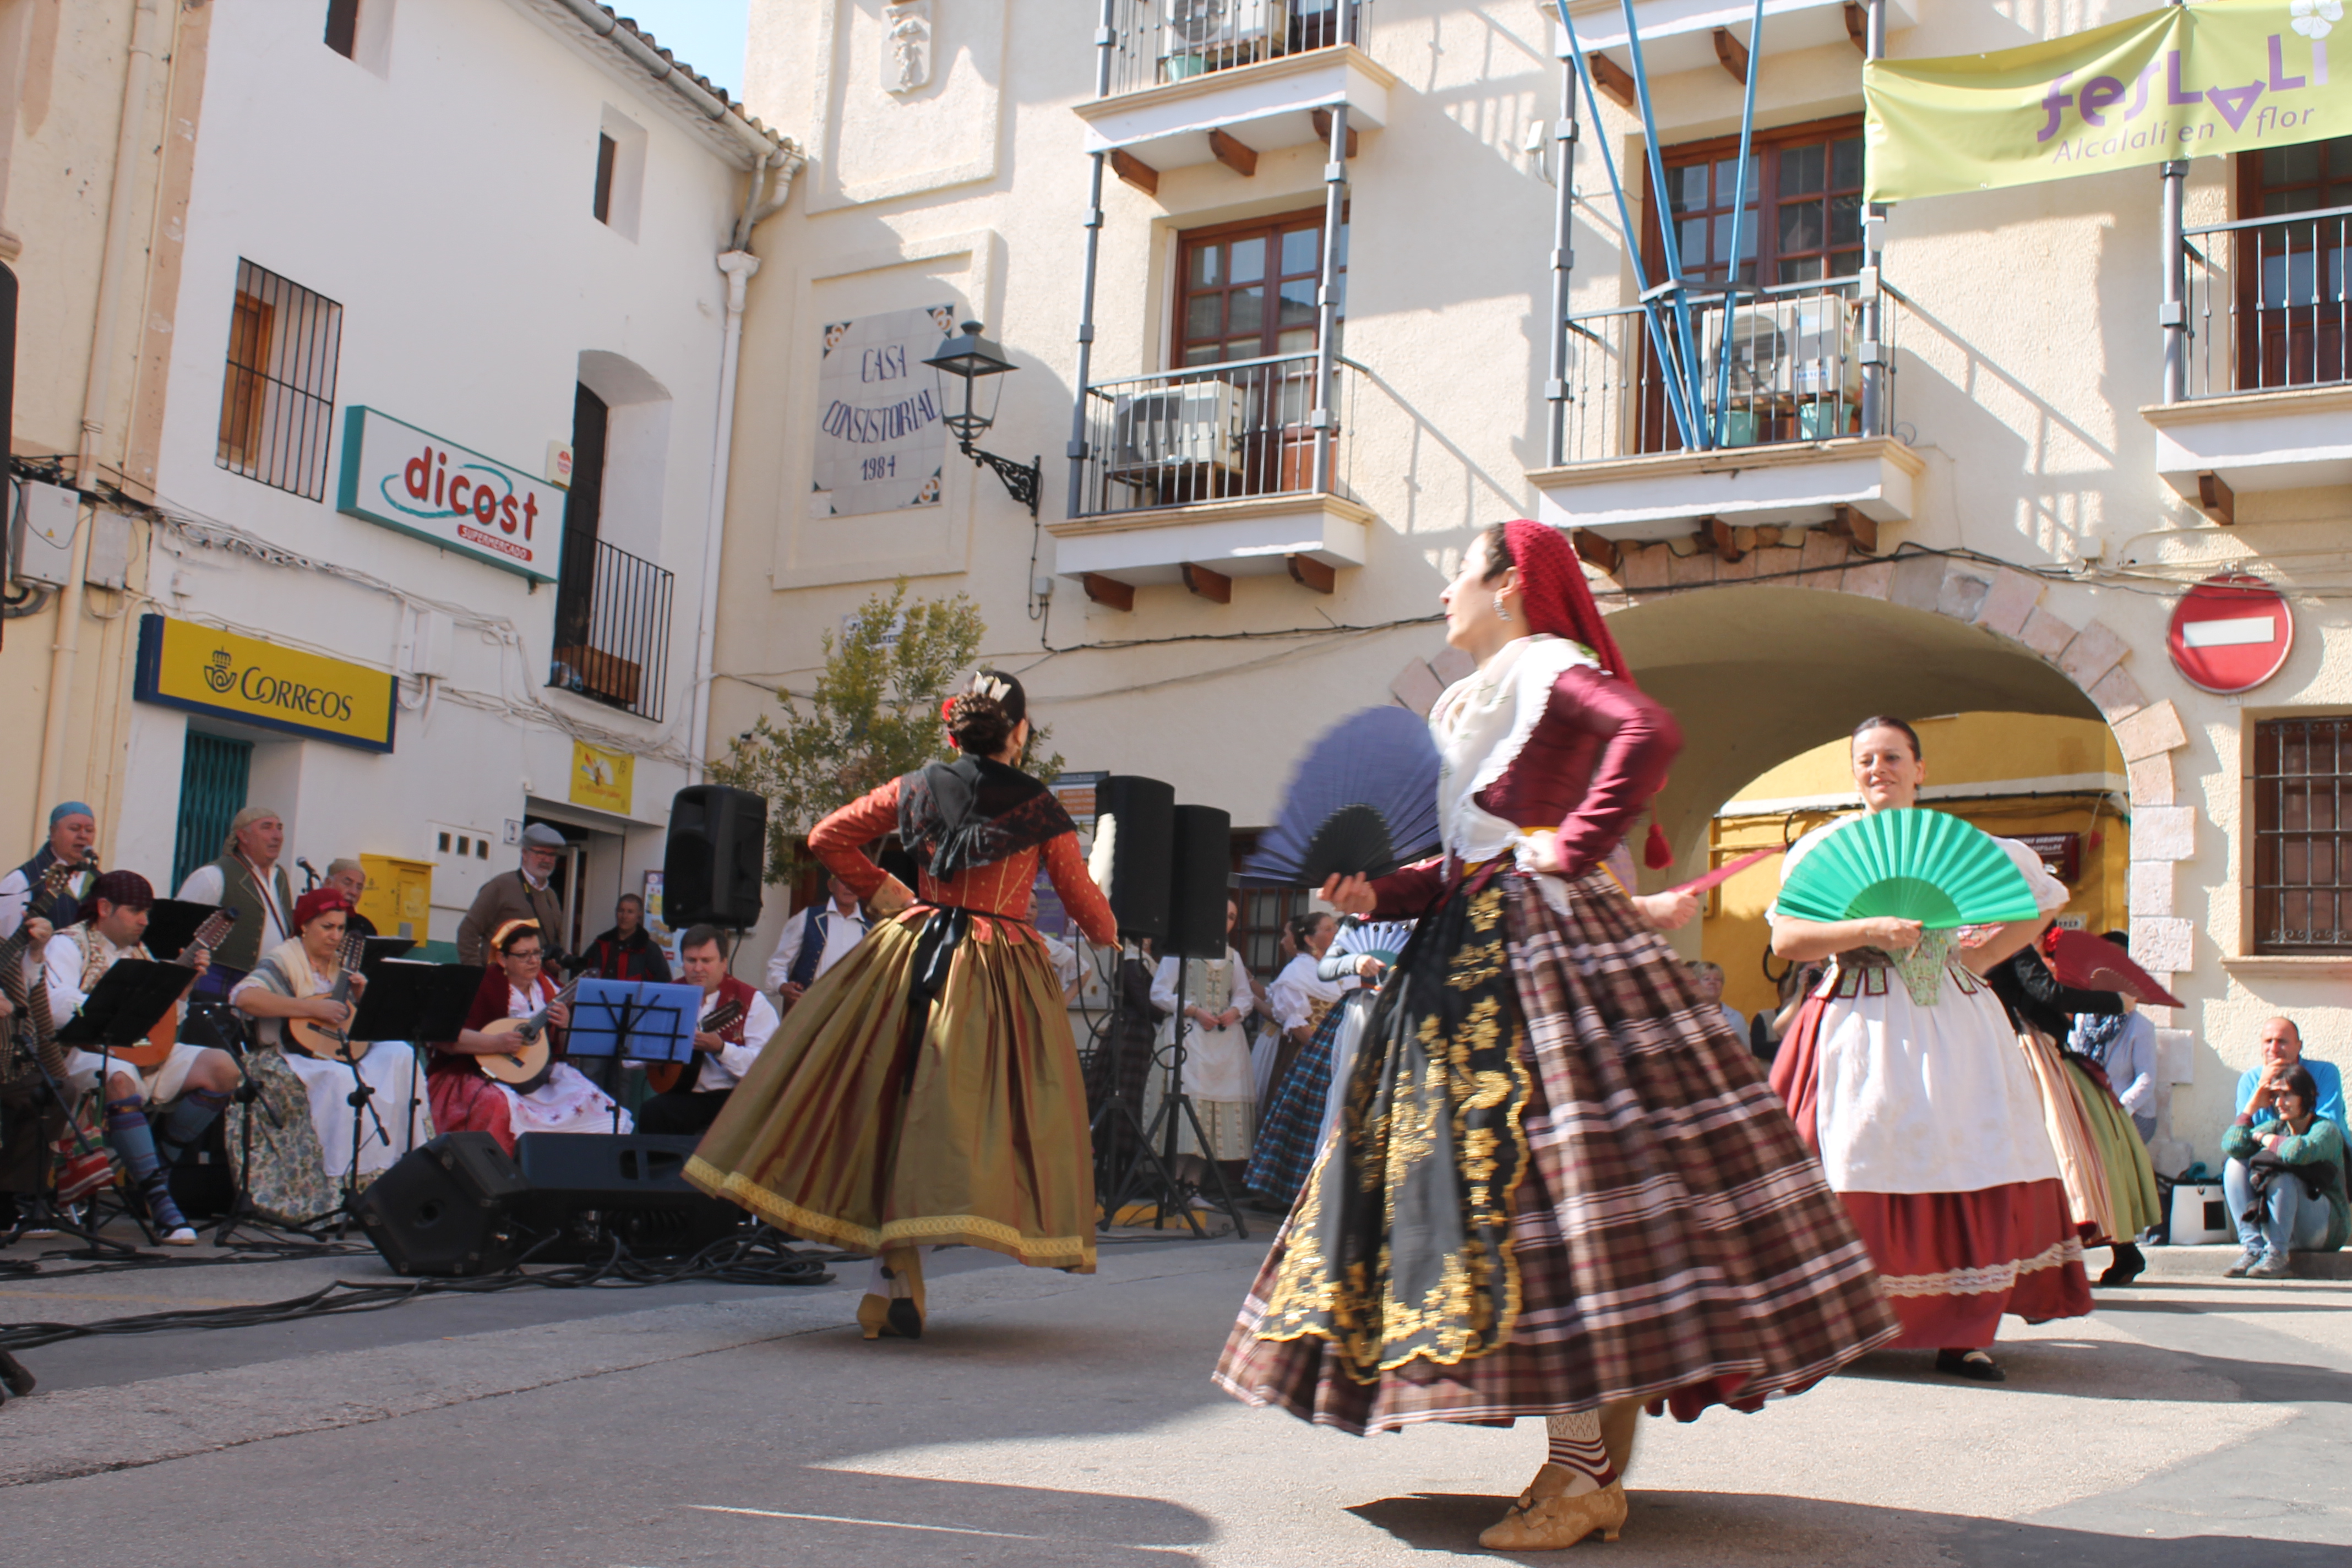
186, 1088
292, 992
721, 1058
466, 1098
349, 878
29, 1118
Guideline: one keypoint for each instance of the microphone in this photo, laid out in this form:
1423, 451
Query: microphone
309, 871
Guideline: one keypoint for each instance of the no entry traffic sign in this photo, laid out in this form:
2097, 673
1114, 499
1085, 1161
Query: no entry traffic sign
2231, 633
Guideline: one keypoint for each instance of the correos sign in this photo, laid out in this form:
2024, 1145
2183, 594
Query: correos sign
411, 480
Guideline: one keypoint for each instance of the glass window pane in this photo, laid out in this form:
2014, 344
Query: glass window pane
1204, 354
1747, 238
1203, 316
1294, 341
1845, 220
1207, 269
1845, 162
1686, 187
1249, 261
1296, 304
1243, 348
1801, 226
1302, 251
1800, 170
1726, 173
1693, 241
1845, 263
1805, 269
1246, 313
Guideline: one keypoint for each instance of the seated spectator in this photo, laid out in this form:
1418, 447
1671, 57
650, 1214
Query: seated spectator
2282, 1050
2284, 1179
1707, 976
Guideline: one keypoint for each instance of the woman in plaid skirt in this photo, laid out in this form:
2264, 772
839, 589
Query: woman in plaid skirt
1560, 1184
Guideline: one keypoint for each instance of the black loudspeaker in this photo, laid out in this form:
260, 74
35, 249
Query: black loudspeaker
589, 1190
711, 867
446, 1207
1200, 860
1134, 824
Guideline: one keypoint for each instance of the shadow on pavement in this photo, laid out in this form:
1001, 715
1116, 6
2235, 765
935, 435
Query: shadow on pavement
1750, 1528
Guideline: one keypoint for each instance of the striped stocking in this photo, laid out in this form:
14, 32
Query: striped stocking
1576, 1448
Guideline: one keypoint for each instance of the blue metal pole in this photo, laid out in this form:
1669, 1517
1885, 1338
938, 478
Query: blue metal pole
1738, 208
1693, 381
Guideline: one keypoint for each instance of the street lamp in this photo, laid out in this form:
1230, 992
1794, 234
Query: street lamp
968, 357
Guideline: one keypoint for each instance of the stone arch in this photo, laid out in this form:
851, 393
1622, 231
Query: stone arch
1981, 634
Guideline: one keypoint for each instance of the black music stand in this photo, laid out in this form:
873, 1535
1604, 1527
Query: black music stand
381, 950
417, 1002
171, 923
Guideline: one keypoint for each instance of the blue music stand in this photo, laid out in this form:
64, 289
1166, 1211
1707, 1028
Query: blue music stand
635, 1021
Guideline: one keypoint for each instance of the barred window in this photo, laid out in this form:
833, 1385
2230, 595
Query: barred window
277, 393
2303, 898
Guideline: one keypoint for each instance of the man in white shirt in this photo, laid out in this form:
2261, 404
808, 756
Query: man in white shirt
721, 1057
815, 941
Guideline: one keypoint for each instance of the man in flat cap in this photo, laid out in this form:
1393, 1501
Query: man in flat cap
522, 894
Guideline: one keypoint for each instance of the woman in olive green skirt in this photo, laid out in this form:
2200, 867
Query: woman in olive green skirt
926, 1089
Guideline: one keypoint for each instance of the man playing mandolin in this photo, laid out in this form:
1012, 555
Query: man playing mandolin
185, 1086
722, 1054
504, 1073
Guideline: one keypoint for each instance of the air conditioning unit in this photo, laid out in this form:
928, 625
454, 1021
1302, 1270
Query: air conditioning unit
1195, 424
1800, 348
1758, 346
1823, 360
1208, 35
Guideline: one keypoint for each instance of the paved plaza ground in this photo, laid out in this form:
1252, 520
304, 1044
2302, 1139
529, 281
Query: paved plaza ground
2192, 1423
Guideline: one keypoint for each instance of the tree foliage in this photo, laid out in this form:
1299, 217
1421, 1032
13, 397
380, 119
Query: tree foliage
874, 715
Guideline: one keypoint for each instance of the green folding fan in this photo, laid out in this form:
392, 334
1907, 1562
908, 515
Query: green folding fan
1924, 866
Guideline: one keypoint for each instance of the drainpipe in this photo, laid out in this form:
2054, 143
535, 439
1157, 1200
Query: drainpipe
114, 269
1867, 294
738, 264
1563, 261
1324, 415
2172, 315
1105, 37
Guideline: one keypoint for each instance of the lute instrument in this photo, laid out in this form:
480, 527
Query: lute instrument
325, 1041
525, 1065
166, 1032
664, 1076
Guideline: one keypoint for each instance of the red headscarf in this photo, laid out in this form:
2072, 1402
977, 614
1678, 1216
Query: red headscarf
319, 901
1556, 599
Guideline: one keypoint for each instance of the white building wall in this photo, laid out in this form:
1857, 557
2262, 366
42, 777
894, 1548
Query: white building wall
445, 201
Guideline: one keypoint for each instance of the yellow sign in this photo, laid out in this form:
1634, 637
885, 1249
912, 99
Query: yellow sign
184, 664
602, 779
2182, 81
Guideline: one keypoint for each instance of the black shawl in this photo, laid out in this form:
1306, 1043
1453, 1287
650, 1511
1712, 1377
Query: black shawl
973, 812
2034, 996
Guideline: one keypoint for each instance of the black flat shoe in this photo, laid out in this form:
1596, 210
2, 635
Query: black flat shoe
13, 1376
2127, 1266
1975, 1365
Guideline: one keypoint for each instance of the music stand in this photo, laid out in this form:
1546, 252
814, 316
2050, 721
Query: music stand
406, 1000
171, 922
380, 950
633, 1020
128, 1001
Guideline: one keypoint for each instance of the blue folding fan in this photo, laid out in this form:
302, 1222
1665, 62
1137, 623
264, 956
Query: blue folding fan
1362, 802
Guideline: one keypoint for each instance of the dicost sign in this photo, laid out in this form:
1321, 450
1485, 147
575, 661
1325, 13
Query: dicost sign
2181, 81
203, 670
411, 480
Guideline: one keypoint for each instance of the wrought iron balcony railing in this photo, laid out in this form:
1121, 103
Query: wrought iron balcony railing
612, 626
2269, 303
1797, 369
1154, 42
1212, 432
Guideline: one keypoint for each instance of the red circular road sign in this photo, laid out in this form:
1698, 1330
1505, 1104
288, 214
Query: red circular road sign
2231, 633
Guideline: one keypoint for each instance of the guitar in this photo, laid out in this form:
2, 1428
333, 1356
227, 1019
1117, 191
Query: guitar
664, 1076
166, 1032
37, 907
313, 1038
527, 1065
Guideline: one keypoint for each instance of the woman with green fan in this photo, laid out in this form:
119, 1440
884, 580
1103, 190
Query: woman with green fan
1559, 1186
1903, 1070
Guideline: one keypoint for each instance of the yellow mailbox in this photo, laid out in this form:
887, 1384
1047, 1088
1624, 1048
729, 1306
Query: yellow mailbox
399, 896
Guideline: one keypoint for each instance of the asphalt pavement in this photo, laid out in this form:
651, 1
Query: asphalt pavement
1048, 1419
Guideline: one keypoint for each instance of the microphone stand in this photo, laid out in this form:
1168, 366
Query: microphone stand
1174, 1100
1115, 1130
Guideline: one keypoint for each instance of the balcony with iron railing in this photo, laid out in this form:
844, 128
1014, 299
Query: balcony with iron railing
1185, 82
612, 626
1211, 473
2259, 375
1791, 419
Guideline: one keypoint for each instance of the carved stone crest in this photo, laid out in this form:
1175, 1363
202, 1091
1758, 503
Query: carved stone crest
905, 45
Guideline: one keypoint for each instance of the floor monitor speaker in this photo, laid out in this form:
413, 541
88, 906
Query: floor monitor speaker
1200, 865
1134, 824
711, 867
589, 1190
446, 1207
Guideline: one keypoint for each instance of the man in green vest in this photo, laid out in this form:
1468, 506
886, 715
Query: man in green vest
247, 879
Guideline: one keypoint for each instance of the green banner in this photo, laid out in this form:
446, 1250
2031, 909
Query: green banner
2184, 81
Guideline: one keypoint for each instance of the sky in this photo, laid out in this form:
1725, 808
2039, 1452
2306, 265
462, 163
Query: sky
706, 33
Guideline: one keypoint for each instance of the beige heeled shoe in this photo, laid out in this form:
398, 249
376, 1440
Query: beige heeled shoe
895, 1316
1545, 1518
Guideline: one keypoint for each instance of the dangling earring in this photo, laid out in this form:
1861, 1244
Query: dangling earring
1502, 611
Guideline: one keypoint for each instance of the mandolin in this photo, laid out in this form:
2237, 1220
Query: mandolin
328, 1044
37, 907
526, 1064
664, 1076
166, 1032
